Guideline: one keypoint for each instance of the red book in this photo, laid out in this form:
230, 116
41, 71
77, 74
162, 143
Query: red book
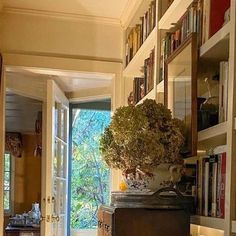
222, 185
217, 11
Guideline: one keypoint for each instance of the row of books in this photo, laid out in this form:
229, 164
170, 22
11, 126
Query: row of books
143, 85
189, 23
216, 13
138, 34
211, 176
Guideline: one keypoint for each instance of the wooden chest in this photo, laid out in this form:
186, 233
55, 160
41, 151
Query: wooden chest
116, 221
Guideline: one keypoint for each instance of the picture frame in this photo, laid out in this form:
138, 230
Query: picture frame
181, 90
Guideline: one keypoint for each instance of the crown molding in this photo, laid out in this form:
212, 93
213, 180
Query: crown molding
64, 16
127, 13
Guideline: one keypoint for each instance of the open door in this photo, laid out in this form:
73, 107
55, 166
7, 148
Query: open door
55, 163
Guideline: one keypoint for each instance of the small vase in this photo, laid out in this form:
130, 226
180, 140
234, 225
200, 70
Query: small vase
164, 175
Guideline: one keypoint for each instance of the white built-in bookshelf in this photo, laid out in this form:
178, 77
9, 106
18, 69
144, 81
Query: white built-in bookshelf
134, 66
217, 47
173, 13
220, 47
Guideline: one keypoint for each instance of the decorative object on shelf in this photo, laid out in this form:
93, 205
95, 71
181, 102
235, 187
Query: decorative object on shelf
14, 144
131, 99
144, 141
208, 114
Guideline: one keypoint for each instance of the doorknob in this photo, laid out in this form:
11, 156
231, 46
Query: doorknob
55, 218
47, 218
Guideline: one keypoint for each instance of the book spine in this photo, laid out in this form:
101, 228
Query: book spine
206, 188
214, 187
218, 183
222, 187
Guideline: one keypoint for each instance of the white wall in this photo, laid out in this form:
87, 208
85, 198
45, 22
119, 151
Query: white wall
60, 36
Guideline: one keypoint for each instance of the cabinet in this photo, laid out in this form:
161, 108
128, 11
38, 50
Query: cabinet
216, 45
114, 221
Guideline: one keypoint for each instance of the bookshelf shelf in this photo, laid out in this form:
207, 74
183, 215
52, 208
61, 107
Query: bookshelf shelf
174, 13
210, 222
150, 95
217, 47
212, 132
134, 67
233, 226
160, 87
140, 8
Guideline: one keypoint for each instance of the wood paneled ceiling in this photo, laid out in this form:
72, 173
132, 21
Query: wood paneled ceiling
21, 113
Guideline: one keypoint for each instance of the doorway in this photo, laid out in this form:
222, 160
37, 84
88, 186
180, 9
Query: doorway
90, 176
50, 90
22, 159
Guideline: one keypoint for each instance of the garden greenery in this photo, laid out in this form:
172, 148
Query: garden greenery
142, 137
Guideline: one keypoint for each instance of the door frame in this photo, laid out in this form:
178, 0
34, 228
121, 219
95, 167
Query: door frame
2, 141
21, 61
72, 105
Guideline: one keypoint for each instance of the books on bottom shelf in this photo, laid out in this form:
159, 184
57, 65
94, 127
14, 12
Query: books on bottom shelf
223, 90
211, 174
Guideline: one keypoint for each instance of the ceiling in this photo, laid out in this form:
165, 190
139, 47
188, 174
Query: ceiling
21, 113
95, 8
68, 81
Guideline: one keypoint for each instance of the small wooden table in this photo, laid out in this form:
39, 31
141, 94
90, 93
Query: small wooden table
22, 231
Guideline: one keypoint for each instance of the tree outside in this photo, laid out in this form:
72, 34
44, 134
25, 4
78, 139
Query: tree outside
90, 182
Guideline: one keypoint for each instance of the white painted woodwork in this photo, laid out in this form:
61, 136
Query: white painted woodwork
111, 9
2, 145
217, 47
54, 95
174, 13
212, 132
26, 86
30, 34
136, 64
210, 222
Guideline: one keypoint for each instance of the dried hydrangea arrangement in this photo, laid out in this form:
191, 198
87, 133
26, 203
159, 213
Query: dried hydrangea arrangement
142, 137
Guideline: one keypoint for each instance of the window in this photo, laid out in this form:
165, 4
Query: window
7, 182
